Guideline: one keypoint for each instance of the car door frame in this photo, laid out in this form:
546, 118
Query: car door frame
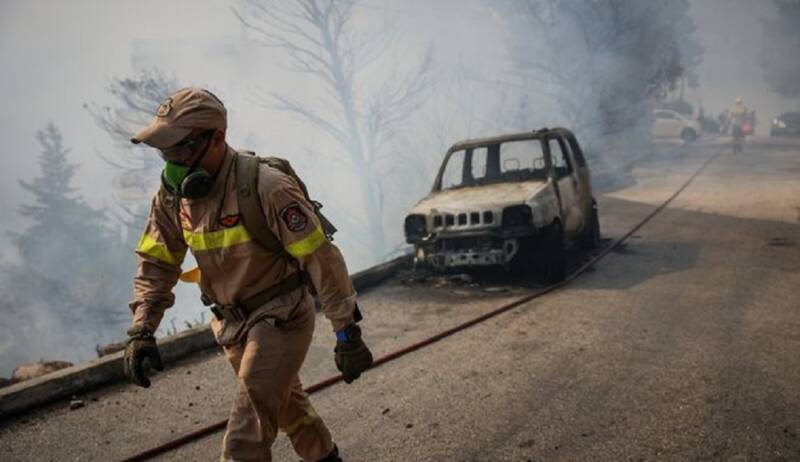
583, 190
566, 187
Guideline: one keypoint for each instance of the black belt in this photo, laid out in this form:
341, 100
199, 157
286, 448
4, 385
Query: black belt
241, 310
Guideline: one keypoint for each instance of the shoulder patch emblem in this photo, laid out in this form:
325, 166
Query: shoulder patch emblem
164, 108
294, 218
230, 221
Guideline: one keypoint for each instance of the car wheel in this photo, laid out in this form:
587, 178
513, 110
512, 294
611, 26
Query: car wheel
688, 135
552, 254
591, 237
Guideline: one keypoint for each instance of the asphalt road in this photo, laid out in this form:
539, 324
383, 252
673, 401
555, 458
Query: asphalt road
683, 344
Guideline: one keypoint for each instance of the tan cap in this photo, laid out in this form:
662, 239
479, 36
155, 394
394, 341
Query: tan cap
179, 114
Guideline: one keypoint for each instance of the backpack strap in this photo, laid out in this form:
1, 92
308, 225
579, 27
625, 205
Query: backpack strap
250, 203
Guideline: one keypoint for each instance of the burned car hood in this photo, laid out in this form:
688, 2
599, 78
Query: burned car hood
479, 197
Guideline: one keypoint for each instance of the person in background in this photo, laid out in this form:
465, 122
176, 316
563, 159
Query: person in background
736, 116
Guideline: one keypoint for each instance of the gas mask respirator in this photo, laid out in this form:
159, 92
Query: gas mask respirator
188, 181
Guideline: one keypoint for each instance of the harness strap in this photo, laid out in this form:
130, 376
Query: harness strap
250, 204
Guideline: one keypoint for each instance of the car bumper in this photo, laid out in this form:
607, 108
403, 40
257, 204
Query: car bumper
473, 248
775, 131
469, 258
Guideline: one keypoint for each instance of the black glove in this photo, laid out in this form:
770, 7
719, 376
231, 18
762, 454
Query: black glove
141, 345
351, 355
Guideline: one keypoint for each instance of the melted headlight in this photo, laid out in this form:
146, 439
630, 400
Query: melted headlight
415, 227
518, 215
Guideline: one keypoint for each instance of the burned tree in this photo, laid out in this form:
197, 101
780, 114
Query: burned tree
360, 116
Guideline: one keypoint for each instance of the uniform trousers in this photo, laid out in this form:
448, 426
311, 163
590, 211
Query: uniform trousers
269, 395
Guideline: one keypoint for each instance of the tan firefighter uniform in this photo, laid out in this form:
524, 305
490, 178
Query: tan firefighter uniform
268, 349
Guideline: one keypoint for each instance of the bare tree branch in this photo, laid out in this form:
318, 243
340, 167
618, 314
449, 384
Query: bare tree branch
321, 41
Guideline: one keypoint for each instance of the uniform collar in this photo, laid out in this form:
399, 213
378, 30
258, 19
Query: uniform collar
224, 170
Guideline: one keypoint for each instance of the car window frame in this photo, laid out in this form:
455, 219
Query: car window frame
542, 149
443, 169
576, 149
576, 160
555, 170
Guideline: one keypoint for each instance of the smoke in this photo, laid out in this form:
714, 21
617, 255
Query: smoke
598, 67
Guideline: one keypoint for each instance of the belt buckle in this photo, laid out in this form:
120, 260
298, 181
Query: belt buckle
231, 313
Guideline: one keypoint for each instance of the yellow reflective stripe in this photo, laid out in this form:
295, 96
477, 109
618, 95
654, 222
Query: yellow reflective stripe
217, 239
307, 419
307, 245
149, 246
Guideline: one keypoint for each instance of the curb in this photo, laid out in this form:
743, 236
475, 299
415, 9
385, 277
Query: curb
27, 395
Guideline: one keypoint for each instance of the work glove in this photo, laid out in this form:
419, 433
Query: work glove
351, 354
141, 346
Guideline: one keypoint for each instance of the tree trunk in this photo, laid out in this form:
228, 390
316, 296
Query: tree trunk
368, 193
374, 213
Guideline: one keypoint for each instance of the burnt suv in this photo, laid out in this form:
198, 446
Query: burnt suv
509, 201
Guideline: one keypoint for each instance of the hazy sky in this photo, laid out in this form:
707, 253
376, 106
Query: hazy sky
59, 55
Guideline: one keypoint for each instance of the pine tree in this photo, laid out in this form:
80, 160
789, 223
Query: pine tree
70, 288
56, 211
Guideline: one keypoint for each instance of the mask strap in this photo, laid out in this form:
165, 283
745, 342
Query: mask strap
199, 159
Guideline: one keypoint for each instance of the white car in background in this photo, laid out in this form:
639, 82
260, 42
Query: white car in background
670, 124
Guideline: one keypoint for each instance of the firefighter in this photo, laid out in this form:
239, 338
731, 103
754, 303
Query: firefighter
737, 112
261, 297
736, 115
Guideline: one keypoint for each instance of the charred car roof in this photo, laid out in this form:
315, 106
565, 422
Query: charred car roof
533, 134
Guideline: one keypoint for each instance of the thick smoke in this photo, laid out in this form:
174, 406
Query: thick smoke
601, 65
780, 50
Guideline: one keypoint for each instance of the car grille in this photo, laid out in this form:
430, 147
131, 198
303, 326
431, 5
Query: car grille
447, 220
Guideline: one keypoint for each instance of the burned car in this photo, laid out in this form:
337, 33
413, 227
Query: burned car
512, 201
